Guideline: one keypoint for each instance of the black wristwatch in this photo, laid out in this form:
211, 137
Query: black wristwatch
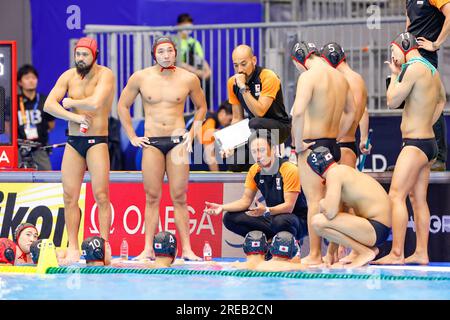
243, 90
266, 213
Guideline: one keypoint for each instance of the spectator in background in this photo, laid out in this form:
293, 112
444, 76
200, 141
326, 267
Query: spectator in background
429, 22
214, 121
34, 124
190, 53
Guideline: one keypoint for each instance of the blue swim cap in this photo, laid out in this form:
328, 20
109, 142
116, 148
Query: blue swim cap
301, 51
333, 54
255, 242
283, 245
165, 245
35, 250
93, 249
406, 42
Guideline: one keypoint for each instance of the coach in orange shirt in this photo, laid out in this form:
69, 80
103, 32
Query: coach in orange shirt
278, 180
257, 91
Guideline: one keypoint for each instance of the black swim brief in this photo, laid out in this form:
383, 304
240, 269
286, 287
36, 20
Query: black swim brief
349, 145
165, 144
82, 144
329, 143
427, 146
381, 231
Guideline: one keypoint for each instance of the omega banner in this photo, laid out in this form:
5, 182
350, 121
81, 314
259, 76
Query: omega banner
42, 204
128, 216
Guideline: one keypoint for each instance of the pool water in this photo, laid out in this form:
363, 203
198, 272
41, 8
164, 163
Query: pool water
202, 287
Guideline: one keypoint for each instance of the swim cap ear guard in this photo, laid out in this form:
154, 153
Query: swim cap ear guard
301, 51
320, 159
255, 242
35, 250
283, 245
165, 245
333, 54
93, 249
161, 40
21, 227
7, 251
406, 42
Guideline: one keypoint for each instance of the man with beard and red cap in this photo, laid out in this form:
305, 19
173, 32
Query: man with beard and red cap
90, 89
164, 89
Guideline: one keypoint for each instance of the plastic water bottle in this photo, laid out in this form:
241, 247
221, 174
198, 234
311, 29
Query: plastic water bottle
207, 252
124, 250
83, 128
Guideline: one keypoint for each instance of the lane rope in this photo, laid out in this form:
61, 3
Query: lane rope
240, 273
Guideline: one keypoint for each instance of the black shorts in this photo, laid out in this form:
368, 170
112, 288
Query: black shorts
381, 231
165, 144
82, 144
349, 145
427, 146
329, 143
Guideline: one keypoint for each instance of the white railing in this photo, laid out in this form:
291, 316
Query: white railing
126, 49
312, 10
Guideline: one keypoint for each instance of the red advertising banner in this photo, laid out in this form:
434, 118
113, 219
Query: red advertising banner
128, 212
8, 157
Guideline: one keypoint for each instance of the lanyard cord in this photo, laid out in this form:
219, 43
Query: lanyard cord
22, 108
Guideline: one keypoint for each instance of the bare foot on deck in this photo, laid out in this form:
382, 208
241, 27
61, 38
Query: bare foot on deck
146, 254
417, 258
362, 258
72, 256
349, 258
337, 265
390, 259
312, 261
178, 262
191, 256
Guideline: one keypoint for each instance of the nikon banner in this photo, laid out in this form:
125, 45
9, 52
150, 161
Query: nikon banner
40, 204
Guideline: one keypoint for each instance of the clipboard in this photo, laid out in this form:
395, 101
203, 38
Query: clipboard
233, 136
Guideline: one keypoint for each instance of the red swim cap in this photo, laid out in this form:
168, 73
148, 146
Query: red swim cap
89, 43
160, 40
20, 228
